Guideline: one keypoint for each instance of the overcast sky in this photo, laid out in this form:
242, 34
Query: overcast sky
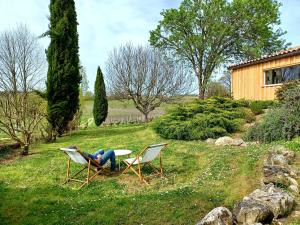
105, 24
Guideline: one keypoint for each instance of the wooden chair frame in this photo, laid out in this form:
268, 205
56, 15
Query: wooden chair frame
138, 172
91, 163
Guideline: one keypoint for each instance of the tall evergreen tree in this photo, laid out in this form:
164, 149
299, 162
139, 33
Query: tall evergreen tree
63, 78
100, 101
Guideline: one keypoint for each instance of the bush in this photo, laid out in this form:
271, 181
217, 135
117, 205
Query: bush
257, 107
281, 123
210, 118
249, 115
284, 87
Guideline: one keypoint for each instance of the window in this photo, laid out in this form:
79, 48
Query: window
278, 76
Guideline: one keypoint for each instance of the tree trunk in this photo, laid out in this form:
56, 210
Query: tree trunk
25, 150
201, 89
146, 117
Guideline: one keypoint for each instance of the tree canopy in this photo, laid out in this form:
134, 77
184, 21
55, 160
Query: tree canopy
207, 33
63, 78
100, 109
145, 76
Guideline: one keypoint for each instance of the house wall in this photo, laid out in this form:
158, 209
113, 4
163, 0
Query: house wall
248, 82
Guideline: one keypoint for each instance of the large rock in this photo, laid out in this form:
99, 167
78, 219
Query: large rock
238, 142
276, 175
281, 150
210, 141
224, 141
280, 202
275, 159
218, 216
249, 211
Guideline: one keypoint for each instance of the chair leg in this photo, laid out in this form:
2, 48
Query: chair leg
161, 166
68, 169
88, 175
127, 168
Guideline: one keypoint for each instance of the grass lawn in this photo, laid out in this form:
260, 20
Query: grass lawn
199, 177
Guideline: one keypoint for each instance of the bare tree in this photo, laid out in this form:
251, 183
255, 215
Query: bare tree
225, 79
22, 67
145, 76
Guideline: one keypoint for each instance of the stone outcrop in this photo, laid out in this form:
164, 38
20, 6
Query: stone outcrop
278, 170
266, 204
218, 216
249, 212
280, 202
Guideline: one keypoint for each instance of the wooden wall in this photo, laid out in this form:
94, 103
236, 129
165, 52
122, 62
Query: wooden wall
248, 82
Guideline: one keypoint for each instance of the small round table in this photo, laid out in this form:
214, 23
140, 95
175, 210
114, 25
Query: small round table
122, 152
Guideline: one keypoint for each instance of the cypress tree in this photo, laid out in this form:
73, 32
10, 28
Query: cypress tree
100, 101
63, 78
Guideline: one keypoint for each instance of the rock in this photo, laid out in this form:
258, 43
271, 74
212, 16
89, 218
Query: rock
292, 181
218, 216
276, 175
210, 141
280, 202
276, 222
281, 150
237, 142
224, 141
289, 155
275, 159
294, 189
273, 170
249, 211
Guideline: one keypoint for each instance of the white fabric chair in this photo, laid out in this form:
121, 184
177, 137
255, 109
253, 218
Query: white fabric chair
145, 157
87, 163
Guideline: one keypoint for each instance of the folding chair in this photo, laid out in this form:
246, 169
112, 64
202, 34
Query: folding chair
145, 157
87, 163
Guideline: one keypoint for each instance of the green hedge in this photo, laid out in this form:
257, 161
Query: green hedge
282, 122
210, 118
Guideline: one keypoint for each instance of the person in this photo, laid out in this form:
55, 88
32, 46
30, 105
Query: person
101, 157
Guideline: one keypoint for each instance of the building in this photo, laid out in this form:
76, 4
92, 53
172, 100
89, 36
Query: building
258, 79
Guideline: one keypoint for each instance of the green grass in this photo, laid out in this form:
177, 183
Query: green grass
118, 111
198, 177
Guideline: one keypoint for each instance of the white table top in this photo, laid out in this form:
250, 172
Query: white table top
120, 152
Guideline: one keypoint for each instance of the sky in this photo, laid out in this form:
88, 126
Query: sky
106, 24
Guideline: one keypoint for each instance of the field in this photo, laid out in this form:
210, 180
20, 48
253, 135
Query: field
198, 177
119, 111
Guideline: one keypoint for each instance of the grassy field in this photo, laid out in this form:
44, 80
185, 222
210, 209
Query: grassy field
198, 178
118, 111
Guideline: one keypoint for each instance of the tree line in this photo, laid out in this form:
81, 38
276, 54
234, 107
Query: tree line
189, 43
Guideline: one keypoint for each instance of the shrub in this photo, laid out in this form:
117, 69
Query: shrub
281, 123
210, 118
284, 87
257, 107
249, 115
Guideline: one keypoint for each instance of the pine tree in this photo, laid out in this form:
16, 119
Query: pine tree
100, 101
63, 77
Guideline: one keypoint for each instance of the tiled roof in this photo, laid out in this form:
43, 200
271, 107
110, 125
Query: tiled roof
279, 54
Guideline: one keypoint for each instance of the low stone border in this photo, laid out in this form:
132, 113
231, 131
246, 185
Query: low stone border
268, 203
